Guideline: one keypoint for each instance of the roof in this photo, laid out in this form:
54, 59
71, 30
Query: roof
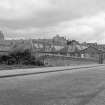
5, 42
96, 48
4, 49
72, 48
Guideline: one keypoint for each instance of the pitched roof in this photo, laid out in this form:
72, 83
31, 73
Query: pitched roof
96, 48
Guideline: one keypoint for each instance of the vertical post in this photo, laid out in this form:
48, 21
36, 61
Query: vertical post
53, 48
43, 59
100, 58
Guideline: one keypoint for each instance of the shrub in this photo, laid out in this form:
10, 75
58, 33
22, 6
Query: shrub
20, 57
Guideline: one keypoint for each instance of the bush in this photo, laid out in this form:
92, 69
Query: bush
25, 57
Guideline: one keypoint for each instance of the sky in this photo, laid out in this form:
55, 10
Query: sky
82, 20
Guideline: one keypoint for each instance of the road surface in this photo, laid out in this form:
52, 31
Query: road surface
84, 87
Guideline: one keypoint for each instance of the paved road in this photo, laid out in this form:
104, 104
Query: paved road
85, 87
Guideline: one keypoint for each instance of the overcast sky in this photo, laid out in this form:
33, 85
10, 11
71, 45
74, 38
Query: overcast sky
83, 20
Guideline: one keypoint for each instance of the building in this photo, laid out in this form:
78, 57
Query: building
73, 48
89, 44
5, 47
1, 35
59, 40
91, 52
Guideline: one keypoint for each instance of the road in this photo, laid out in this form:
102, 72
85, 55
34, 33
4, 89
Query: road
83, 87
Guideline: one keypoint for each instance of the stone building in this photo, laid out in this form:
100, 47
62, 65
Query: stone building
59, 40
91, 52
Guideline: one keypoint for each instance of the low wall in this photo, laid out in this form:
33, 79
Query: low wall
67, 61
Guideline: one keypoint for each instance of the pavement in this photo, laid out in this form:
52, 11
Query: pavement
33, 71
